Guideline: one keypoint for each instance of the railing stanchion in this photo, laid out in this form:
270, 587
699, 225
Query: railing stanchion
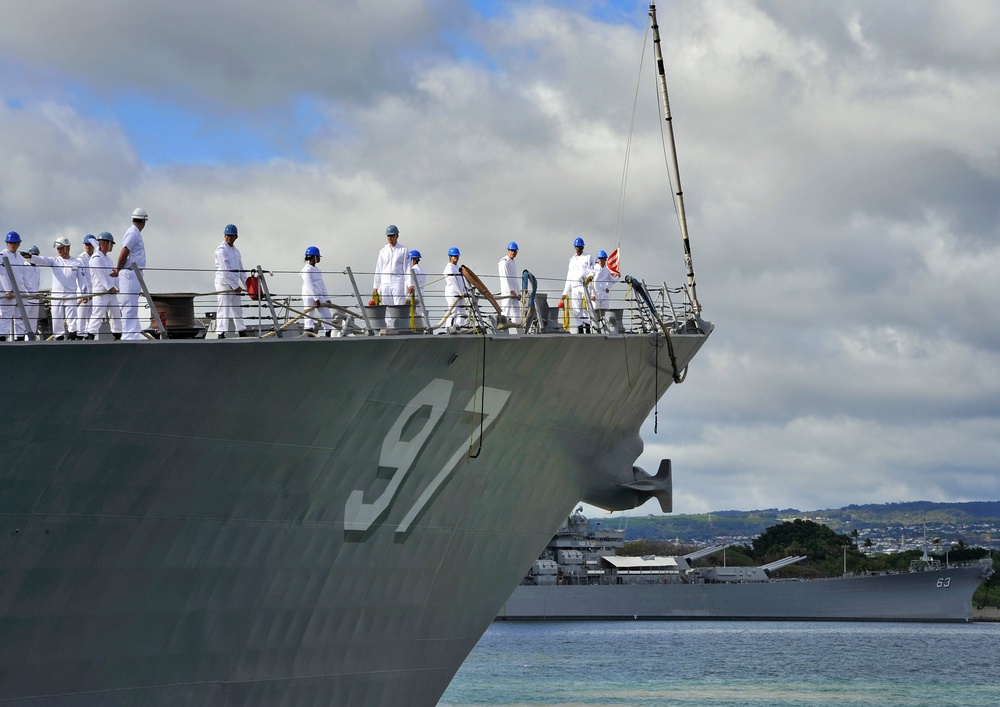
670, 303
20, 302
361, 303
423, 308
134, 267
270, 304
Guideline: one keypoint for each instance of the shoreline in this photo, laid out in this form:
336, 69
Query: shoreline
989, 614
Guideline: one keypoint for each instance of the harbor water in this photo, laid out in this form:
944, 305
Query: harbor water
571, 664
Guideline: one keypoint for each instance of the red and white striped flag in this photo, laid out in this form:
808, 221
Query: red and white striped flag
613, 263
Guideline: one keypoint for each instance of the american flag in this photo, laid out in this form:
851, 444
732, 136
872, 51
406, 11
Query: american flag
613, 263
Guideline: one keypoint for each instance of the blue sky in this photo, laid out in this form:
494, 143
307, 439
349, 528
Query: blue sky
164, 132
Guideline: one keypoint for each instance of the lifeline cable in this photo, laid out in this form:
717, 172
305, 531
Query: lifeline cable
628, 375
482, 400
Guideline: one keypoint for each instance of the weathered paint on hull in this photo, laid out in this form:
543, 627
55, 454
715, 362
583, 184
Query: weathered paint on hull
176, 513
933, 595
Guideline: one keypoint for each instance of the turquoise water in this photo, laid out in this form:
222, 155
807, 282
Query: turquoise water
573, 664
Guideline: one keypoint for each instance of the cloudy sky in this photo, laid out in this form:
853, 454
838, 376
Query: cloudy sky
840, 162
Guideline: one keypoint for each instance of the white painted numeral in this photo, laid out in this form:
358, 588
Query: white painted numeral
399, 454
944, 583
490, 401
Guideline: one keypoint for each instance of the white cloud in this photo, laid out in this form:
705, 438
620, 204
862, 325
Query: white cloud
857, 33
235, 53
57, 163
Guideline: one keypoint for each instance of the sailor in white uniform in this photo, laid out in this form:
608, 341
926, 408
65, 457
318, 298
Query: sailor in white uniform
102, 284
315, 294
510, 285
83, 303
389, 286
602, 284
10, 314
581, 268
65, 280
133, 251
455, 290
230, 281
416, 286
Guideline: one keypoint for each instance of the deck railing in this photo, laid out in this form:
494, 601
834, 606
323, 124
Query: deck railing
280, 312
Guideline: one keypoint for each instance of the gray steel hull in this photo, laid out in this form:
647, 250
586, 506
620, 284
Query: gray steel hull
268, 522
933, 595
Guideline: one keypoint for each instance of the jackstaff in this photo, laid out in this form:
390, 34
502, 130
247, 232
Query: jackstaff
675, 174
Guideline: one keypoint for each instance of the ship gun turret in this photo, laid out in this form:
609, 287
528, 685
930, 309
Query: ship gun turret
744, 574
783, 562
705, 552
684, 561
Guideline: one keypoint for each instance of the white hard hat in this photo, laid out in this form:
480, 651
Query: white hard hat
61, 243
140, 214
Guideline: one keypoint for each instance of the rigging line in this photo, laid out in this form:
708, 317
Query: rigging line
482, 399
620, 216
628, 373
986, 596
656, 386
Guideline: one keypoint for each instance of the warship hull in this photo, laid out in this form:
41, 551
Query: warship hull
936, 595
293, 521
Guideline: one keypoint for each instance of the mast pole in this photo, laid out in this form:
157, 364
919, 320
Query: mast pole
674, 169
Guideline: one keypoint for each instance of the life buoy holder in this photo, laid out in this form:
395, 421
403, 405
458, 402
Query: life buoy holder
253, 287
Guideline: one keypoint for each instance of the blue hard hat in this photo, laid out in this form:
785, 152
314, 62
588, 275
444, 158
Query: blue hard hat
578, 243
312, 251
453, 251
89, 238
512, 246
391, 231
13, 237
414, 255
601, 254
231, 230
34, 250
105, 236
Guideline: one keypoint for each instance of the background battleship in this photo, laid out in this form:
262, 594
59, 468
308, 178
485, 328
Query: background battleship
580, 576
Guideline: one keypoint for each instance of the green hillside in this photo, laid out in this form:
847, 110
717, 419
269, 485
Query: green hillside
708, 527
